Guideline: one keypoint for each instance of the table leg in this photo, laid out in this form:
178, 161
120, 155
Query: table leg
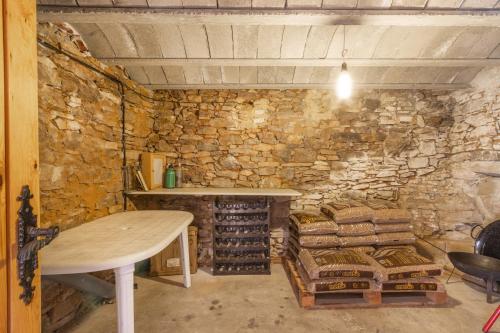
124, 281
185, 257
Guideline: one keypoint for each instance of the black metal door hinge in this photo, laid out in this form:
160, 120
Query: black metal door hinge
30, 239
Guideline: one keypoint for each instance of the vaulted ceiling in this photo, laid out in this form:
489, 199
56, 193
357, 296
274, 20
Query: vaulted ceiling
177, 44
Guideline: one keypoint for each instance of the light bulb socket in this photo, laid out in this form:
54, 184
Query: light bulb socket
344, 67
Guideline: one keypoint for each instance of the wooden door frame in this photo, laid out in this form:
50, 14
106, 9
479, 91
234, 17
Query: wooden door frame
19, 164
3, 208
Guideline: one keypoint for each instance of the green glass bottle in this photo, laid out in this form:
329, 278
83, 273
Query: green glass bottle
170, 177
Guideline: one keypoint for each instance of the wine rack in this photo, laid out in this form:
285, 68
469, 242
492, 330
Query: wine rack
241, 236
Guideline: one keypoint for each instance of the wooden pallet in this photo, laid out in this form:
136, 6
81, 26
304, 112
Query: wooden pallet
410, 299
310, 300
359, 299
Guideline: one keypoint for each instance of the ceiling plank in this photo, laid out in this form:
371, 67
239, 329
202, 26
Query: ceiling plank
495, 53
374, 74
245, 39
130, 3
439, 43
318, 41
165, 3
195, 41
446, 75
408, 4
344, 4
57, 2
230, 74
406, 42
235, 3
269, 41
337, 42
268, 3
444, 4
486, 44
366, 4
145, 40
266, 74
320, 75
174, 74
358, 62
426, 74
285, 74
303, 4
327, 86
193, 74
294, 41
220, 41
155, 75
120, 39
302, 74
199, 3
138, 74
361, 41
465, 41
95, 39
392, 17
170, 40
100, 3
466, 75
479, 4
211, 74
248, 74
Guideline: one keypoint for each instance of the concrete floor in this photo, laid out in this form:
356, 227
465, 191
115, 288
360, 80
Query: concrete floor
267, 304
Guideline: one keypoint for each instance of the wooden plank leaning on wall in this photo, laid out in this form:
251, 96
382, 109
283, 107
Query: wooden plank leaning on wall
20, 116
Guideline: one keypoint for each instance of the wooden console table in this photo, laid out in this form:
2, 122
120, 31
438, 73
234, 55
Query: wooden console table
117, 242
221, 191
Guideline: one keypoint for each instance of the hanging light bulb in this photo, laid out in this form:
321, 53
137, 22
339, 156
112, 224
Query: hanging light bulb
344, 83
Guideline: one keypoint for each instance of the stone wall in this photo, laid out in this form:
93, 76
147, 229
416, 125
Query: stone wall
465, 188
80, 147
306, 140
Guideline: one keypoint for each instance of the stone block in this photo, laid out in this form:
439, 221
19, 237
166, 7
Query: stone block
418, 162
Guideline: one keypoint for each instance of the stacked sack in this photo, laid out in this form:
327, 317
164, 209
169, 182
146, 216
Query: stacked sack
354, 223
321, 262
368, 223
401, 268
355, 245
310, 230
336, 270
393, 227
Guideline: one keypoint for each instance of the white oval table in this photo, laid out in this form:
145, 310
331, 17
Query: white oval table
117, 242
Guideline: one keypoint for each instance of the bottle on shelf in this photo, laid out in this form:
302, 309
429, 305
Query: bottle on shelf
178, 176
170, 177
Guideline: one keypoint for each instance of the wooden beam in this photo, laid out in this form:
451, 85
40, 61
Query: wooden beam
21, 152
3, 201
364, 86
387, 17
407, 62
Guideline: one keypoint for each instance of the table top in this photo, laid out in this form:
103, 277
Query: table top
236, 191
113, 241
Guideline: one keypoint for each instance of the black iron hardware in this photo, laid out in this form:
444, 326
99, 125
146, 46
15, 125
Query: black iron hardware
28, 243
